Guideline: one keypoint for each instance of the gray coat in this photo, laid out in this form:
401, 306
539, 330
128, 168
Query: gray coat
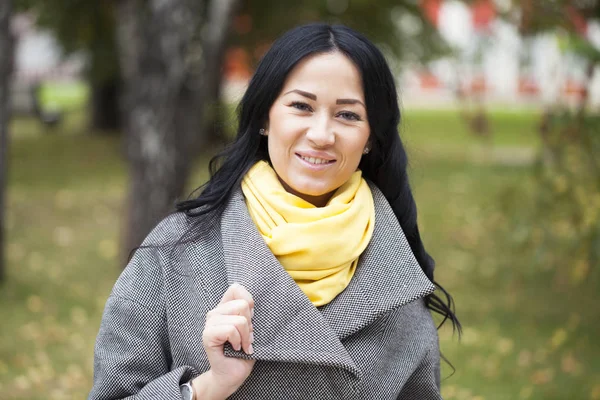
376, 340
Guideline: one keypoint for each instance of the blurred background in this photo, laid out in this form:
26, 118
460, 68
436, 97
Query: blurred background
110, 111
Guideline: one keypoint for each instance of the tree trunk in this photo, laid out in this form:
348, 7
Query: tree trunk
166, 76
104, 106
105, 81
6, 63
159, 49
220, 16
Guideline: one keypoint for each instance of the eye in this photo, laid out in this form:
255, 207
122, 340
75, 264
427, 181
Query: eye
350, 116
301, 106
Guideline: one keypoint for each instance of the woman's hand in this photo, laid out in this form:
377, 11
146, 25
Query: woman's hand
230, 321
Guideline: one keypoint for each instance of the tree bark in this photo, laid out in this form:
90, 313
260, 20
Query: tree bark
104, 104
169, 53
220, 17
105, 80
160, 52
6, 63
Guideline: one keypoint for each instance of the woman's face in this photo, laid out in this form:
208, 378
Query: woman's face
318, 127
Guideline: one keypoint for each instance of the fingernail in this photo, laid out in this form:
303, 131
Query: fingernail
250, 350
251, 337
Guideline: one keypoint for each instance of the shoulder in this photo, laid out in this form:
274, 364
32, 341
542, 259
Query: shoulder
148, 258
180, 242
414, 323
179, 233
168, 231
144, 274
420, 315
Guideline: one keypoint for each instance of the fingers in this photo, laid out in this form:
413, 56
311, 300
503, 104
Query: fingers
231, 321
233, 307
215, 336
237, 329
237, 292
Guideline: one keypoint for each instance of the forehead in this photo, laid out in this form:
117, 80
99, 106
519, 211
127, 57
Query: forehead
329, 72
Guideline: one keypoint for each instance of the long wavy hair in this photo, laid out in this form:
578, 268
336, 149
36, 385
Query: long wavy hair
385, 165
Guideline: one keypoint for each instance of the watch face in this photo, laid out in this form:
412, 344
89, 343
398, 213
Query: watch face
186, 391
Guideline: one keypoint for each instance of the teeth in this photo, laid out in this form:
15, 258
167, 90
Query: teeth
314, 160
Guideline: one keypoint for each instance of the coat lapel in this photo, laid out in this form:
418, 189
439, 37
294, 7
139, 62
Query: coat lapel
388, 276
287, 326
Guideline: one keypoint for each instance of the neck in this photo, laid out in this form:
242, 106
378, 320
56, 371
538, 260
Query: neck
317, 201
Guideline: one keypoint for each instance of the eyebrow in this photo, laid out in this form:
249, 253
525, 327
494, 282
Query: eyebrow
349, 101
303, 93
314, 97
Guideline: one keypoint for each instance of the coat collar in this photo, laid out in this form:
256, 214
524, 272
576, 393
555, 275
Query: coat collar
288, 327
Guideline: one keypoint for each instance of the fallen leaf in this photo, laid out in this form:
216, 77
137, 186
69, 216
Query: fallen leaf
526, 392
596, 392
524, 359
569, 364
34, 304
542, 376
559, 337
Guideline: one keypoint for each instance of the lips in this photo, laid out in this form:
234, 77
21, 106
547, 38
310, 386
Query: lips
316, 160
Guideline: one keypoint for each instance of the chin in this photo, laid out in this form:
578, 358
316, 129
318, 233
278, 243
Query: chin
312, 190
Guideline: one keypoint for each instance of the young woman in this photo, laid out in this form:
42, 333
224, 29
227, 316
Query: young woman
299, 271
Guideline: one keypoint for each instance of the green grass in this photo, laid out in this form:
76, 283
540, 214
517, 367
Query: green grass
527, 334
447, 128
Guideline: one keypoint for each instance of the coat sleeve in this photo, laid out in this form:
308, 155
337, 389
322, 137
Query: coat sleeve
424, 383
132, 355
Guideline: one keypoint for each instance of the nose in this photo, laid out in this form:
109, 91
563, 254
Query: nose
321, 132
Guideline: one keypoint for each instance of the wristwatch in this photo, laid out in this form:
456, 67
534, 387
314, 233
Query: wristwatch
187, 391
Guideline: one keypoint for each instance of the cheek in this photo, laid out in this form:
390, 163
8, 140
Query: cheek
283, 137
356, 148
359, 147
280, 147
279, 144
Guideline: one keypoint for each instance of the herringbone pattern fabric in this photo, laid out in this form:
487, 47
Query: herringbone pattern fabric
376, 340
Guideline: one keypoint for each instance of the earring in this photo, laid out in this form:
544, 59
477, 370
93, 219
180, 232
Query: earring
366, 150
262, 131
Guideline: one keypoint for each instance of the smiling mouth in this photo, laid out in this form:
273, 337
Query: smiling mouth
315, 160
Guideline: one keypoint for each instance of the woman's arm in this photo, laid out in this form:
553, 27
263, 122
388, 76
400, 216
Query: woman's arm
131, 356
424, 383
132, 353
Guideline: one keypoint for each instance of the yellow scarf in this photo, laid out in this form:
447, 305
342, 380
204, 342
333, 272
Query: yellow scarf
318, 246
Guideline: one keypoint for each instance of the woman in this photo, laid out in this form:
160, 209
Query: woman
299, 271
